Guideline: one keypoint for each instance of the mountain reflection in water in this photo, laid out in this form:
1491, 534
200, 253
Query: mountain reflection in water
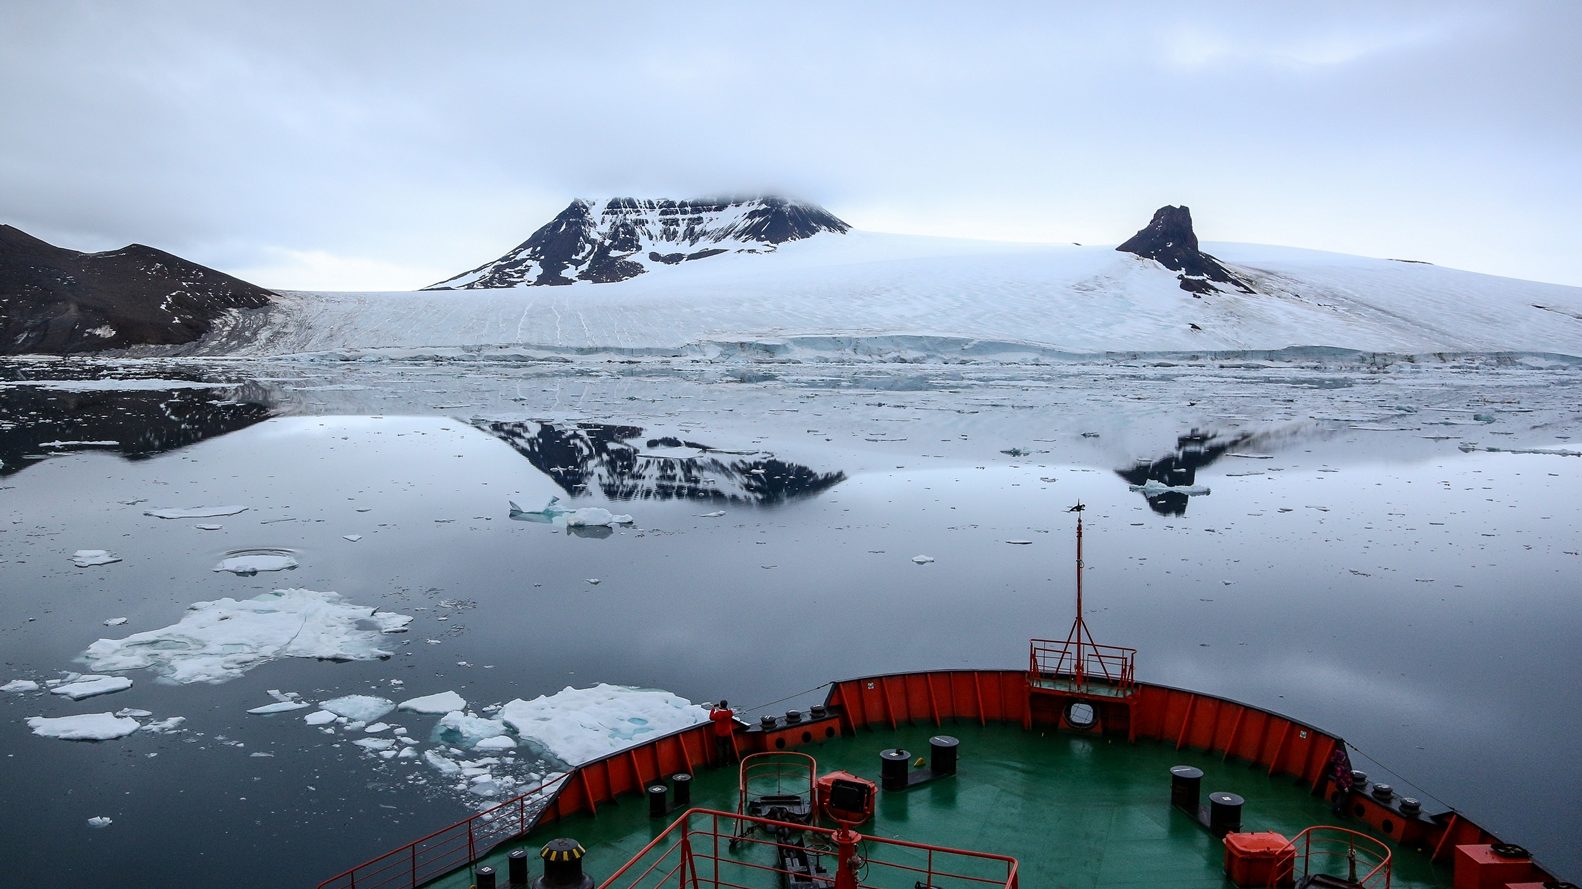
43, 422
1194, 450
613, 460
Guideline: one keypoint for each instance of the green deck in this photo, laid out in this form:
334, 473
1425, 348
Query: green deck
1077, 811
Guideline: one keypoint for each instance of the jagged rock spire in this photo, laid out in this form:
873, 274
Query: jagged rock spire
1169, 240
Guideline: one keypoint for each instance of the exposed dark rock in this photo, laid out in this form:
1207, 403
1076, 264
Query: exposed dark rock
59, 301
609, 241
1170, 241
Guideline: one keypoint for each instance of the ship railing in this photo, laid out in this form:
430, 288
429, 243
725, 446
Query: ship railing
1078, 663
704, 849
1335, 851
443, 851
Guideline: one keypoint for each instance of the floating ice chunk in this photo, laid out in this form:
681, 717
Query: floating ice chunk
498, 742
280, 707
359, 708
89, 686
20, 685
922, 560
352, 537
376, 728
165, 726
375, 743
195, 512
444, 702
87, 558
711, 515
586, 517
576, 725
83, 727
134, 712
442, 763
221, 640
460, 729
408, 753
115, 621
99, 821
252, 564
319, 717
208, 527
1020, 542
1154, 487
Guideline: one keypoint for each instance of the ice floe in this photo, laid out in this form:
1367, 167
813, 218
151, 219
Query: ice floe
460, 729
90, 686
586, 517
254, 563
194, 512
20, 685
83, 727
578, 724
100, 821
87, 558
319, 717
1154, 487
359, 708
115, 621
922, 560
280, 707
223, 639
437, 704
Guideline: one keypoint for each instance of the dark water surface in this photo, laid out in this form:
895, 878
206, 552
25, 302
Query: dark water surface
1363, 562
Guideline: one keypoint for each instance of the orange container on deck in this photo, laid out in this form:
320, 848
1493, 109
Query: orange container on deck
1478, 866
1253, 859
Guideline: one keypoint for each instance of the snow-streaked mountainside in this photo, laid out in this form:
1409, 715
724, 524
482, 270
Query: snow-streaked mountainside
876, 296
620, 238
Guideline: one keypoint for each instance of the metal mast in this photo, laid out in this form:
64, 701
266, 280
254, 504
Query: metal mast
1079, 640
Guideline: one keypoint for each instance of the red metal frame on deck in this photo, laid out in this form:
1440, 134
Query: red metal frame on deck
703, 848
1082, 662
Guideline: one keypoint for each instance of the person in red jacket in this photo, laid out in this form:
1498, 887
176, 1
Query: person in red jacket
724, 719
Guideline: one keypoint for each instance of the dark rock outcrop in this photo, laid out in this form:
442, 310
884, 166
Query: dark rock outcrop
618, 239
1170, 241
59, 301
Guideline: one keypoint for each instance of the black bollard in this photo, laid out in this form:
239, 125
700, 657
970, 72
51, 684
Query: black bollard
483, 878
1186, 785
682, 782
892, 768
516, 867
657, 804
1224, 812
563, 865
942, 754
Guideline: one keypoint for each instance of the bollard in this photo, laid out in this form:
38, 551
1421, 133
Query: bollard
484, 877
656, 800
1224, 812
1186, 786
892, 768
942, 753
682, 782
516, 867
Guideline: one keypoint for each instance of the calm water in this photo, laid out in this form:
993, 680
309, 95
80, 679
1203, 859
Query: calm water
1363, 562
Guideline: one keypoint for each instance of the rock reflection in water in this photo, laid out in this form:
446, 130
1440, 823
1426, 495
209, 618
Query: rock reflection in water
41, 422
617, 462
1194, 451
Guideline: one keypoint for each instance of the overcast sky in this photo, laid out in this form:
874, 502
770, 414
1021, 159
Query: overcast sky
387, 145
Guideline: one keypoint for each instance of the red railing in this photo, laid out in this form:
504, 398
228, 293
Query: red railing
449, 848
696, 851
1082, 662
1355, 857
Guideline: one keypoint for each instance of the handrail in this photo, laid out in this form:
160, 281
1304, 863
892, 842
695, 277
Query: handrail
438, 853
777, 766
1051, 657
695, 848
1334, 843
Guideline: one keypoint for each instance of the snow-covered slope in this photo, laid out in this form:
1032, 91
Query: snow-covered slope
891, 296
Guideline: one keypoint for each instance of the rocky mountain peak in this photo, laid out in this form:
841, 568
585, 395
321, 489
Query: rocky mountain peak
57, 300
1169, 240
620, 238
